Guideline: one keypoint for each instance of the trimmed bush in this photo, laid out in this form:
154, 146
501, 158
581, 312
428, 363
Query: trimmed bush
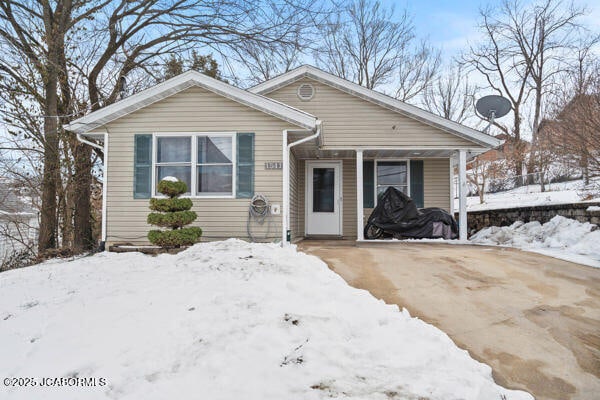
172, 213
175, 219
180, 237
170, 205
171, 188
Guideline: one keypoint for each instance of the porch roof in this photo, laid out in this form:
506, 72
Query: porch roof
313, 150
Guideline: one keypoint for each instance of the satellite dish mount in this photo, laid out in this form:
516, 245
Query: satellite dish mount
492, 107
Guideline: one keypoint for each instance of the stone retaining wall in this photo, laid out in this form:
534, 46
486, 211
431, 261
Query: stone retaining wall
478, 220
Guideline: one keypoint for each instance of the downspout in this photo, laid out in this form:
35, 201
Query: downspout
285, 231
104, 149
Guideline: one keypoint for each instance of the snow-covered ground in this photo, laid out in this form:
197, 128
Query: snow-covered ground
224, 320
527, 196
560, 237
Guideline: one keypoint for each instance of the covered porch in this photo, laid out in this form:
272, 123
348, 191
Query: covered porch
331, 191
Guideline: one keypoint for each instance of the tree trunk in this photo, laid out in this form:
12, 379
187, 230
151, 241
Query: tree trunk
48, 220
84, 239
531, 164
517, 148
585, 168
65, 210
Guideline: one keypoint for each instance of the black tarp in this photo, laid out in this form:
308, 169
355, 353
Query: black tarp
397, 213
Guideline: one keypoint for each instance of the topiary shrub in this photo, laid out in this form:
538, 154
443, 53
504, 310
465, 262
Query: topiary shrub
170, 205
172, 213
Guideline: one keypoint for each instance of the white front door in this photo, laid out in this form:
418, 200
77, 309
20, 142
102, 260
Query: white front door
323, 198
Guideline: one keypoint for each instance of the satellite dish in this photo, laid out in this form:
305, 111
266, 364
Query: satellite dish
491, 107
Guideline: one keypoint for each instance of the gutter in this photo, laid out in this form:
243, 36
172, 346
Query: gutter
96, 145
285, 223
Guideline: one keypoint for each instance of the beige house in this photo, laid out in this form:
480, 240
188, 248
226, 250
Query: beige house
318, 147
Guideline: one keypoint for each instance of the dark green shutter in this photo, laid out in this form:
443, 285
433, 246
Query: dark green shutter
416, 182
368, 184
142, 167
245, 165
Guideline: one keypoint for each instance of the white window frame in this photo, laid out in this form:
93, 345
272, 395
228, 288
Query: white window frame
194, 163
376, 183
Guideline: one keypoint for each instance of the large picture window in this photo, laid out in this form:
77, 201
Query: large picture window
205, 162
392, 173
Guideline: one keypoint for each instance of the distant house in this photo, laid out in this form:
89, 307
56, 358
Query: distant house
575, 133
318, 147
504, 151
18, 220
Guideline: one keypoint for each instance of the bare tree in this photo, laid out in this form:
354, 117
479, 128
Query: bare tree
416, 71
526, 46
35, 32
451, 95
264, 63
76, 52
373, 45
544, 43
575, 130
504, 73
482, 172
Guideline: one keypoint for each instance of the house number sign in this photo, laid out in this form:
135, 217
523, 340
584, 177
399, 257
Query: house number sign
274, 165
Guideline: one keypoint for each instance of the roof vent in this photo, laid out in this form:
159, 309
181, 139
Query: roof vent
306, 91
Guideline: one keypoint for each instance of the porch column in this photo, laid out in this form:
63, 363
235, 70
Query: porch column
452, 184
462, 195
359, 196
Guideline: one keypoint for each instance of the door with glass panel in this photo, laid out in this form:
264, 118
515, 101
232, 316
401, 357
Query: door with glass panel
323, 198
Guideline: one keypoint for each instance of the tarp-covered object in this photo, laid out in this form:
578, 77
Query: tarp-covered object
396, 213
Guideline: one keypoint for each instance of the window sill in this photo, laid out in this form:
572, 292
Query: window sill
199, 197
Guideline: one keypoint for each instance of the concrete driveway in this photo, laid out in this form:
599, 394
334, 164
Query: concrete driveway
534, 319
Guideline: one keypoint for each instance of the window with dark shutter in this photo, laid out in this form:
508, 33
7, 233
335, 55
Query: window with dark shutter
142, 169
368, 184
245, 165
416, 183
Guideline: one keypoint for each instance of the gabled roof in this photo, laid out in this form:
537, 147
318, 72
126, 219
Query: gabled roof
184, 81
381, 99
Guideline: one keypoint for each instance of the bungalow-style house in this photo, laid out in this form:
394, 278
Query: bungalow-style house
318, 147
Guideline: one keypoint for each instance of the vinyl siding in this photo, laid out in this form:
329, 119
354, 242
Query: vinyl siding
436, 185
294, 199
351, 121
436, 177
192, 110
348, 198
436, 191
301, 198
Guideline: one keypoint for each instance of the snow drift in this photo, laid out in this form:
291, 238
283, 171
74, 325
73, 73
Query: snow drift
224, 320
560, 237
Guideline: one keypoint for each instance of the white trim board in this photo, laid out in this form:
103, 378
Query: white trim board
184, 81
380, 99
